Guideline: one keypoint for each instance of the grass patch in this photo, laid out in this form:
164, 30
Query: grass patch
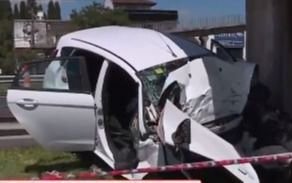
26, 163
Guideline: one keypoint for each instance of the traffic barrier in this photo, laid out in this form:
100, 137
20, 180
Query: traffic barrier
8, 79
97, 173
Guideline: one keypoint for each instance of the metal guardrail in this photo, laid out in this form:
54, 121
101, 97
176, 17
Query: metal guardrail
211, 22
8, 79
194, 23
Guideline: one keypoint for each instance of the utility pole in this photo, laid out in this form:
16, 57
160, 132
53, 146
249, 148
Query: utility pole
32, 25
14, 50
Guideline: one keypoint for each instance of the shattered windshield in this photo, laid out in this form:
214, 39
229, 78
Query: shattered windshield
153, 79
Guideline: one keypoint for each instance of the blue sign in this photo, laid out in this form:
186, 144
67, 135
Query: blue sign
231, 40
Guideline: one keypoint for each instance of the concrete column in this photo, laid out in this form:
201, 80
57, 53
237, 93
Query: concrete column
269, 45
244, 47
287, 54
209, 42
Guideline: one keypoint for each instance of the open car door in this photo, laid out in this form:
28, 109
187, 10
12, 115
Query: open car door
202, 142
52, 100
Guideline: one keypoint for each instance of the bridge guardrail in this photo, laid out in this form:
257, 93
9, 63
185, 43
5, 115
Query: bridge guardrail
7, 80
194, 23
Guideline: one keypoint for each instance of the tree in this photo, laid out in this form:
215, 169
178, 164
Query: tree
32, 7
51, 10
23, 11
40, 7
16, 12
5, 9
45, 16
57, 11
95, 15
6, 40
54, 10
6, 36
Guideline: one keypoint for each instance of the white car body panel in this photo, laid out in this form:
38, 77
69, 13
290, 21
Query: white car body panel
101, 140
113, 38
60, 121
205, 143
66, 41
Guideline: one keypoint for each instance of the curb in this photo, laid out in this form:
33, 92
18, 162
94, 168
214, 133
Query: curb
21, 141
8, 119
6, 115
13, 135
13, 132
11, 129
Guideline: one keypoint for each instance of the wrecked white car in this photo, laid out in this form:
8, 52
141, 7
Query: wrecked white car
136, 98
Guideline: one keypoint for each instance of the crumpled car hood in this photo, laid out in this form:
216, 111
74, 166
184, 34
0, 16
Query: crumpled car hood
212, 88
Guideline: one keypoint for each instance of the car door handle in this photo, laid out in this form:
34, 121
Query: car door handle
27, 104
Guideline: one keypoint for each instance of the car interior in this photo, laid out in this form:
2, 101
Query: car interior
120, 95
93, 66
120, 103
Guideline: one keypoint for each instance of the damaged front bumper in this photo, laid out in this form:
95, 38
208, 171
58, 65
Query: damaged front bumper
210, 90
203, 142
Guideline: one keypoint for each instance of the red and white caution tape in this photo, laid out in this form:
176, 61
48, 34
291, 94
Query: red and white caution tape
276, 158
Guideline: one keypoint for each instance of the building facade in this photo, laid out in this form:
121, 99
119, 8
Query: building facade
142, 14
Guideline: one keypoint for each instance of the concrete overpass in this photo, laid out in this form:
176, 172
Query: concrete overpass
205, 36
211, 31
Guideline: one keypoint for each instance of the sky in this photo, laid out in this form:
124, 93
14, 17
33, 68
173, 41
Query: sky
188, 9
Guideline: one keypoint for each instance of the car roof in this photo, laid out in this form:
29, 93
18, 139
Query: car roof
141, 48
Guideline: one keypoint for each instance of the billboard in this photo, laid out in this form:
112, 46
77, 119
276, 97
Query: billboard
231, 40
39, 33
32, 34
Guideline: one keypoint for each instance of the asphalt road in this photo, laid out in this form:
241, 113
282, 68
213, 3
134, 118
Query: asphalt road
13, 135
17, 141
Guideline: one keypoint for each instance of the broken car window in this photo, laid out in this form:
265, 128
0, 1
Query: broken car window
57, 74
154, 78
